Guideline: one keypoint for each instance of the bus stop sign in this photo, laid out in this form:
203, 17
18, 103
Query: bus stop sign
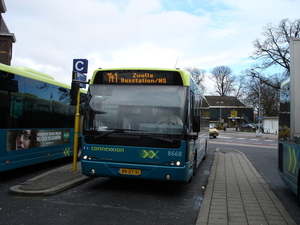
81, 77
80, 65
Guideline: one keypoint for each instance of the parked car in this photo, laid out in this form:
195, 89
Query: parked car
212, 125
213, 132
249, 125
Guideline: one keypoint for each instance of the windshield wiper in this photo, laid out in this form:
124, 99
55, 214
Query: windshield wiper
137, 134
114, 131
163, 139
157, 137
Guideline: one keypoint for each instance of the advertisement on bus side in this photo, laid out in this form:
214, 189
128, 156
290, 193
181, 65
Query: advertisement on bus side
24, 139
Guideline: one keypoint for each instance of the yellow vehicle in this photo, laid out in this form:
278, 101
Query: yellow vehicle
213, 132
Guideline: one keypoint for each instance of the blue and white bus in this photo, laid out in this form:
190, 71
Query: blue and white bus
143, 123
289, 124
36, 119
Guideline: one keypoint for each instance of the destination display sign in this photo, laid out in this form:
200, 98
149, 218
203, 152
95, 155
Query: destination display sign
154, 77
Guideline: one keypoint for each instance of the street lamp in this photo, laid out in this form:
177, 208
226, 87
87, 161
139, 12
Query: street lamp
258, 131
221, 102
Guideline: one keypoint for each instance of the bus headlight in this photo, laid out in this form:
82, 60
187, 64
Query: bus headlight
173, 163
88, 157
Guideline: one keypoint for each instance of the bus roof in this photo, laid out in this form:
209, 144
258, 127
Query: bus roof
29, 70
33, 74
185, 75
24, 70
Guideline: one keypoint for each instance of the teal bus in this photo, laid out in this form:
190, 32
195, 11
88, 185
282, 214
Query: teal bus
37, 120
289, 124
289, 141
143, 123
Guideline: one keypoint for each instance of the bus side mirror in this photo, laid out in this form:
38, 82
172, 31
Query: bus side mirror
196, 124
74, 92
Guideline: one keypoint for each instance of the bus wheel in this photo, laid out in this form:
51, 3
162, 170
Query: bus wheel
298, 187
195, 164
205, 151
298, 195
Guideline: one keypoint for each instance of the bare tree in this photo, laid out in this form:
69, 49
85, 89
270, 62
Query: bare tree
275, 49
263, 93
224, 80
198, 75
274, 81
270, 100
240, 83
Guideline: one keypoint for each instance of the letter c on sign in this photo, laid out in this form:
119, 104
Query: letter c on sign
80, 65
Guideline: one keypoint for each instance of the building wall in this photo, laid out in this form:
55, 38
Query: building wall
270, 125
5, 49
6, 38
243, 114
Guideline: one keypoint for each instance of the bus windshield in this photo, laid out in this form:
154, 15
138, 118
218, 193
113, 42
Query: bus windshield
138, 108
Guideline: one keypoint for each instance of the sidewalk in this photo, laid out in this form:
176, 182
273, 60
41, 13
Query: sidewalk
237, 194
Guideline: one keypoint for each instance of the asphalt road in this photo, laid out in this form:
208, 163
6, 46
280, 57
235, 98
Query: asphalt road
105, 200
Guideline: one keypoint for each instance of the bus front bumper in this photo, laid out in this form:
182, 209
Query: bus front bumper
168, 173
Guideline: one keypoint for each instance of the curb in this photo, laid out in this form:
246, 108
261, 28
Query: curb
44, 184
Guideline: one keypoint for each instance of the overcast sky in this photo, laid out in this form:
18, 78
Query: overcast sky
138, 33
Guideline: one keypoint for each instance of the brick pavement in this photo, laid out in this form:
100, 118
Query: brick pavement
237, 194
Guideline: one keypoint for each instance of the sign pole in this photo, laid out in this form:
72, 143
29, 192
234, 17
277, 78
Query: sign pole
79, 66
76, 132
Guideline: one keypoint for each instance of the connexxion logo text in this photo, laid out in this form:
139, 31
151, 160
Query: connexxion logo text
107, 149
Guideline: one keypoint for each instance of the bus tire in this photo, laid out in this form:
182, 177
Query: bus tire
195, 164
205, 151
298, 188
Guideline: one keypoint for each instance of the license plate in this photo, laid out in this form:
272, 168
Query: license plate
135, 172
